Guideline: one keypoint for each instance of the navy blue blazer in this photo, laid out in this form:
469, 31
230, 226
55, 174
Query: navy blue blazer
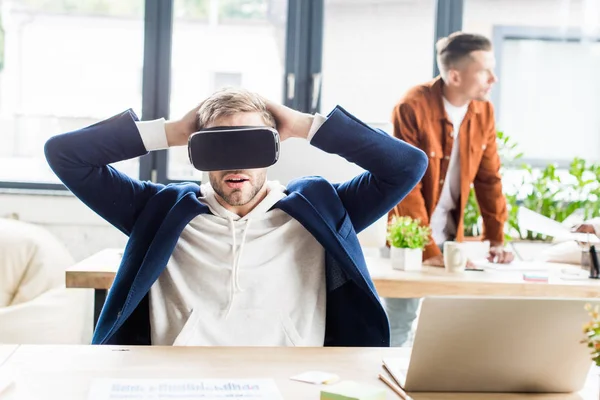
154, 215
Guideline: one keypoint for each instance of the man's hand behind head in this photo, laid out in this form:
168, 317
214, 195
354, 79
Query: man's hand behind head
179, 131
290, 123
223, 105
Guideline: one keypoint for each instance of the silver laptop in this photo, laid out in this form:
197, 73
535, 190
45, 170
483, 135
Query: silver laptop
474, 344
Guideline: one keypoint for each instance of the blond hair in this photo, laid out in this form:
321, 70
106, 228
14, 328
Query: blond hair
229, 101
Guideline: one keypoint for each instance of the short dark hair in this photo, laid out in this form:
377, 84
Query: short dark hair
456, 47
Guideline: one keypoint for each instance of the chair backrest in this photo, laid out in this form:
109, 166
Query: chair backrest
35, 306
32, 262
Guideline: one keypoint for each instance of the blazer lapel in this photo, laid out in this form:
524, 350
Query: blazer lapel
187, 208
300, 208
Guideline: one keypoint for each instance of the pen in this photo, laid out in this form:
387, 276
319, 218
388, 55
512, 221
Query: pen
395, 388
594, 270
385, 367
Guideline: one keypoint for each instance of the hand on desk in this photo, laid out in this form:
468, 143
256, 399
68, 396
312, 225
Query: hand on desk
435, 261
499, 255
585, 228
438, 261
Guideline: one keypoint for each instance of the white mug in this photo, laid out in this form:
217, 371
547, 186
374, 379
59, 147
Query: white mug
454, 258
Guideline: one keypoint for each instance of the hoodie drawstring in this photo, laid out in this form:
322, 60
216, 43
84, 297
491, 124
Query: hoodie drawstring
235, 262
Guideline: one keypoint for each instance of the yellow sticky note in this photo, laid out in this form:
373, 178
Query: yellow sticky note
349, 390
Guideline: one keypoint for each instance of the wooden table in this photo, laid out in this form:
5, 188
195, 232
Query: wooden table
95, 272
98, 272
66, 372
433, 281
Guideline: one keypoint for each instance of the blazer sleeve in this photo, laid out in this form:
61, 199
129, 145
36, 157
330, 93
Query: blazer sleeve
81, 161
392, 167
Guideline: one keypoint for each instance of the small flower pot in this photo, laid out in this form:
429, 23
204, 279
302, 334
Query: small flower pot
406, 259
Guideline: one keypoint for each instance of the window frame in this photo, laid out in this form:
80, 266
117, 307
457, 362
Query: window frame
302, 75
448, 19
502, 33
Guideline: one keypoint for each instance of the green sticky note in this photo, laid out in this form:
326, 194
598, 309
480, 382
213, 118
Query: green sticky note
349, 390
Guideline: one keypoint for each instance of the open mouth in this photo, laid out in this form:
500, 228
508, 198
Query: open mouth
236, 181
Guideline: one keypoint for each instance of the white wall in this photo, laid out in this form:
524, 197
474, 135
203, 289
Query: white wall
82, 231
374, 51
549, 89
480, 16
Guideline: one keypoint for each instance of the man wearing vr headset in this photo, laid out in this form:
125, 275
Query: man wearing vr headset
239, 260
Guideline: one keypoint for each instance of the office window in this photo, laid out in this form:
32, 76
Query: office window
481, 16
243, 40
225, 79
550, 94
548, 61
373, 52
64, 65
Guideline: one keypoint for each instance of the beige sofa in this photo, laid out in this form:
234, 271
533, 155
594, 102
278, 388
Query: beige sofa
35, 306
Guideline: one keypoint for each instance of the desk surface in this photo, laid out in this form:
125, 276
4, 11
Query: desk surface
98, 272
66, 372
432, 281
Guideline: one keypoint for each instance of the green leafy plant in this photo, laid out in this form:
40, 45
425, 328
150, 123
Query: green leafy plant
558, 198
586, 187
472, 216
592, 333
544, 197
512, 221
546, 191
509, 154
408, 233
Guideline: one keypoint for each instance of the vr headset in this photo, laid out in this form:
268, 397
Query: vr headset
226, 148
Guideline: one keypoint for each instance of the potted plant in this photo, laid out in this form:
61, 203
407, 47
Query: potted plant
407, 238
592, 333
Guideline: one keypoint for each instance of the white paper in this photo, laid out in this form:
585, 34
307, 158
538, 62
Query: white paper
532, 221
183, 389
5, 384
316, 377
514, 266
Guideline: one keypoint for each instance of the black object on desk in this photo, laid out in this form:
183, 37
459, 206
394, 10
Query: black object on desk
594, 269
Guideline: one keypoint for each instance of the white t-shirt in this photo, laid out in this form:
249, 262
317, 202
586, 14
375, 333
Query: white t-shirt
443, 226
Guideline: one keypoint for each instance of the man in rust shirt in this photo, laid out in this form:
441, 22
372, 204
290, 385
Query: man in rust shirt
452, 120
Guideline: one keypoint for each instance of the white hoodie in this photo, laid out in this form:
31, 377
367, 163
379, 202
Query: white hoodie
252, 281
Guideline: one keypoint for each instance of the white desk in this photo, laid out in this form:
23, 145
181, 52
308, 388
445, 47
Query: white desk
6, 351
